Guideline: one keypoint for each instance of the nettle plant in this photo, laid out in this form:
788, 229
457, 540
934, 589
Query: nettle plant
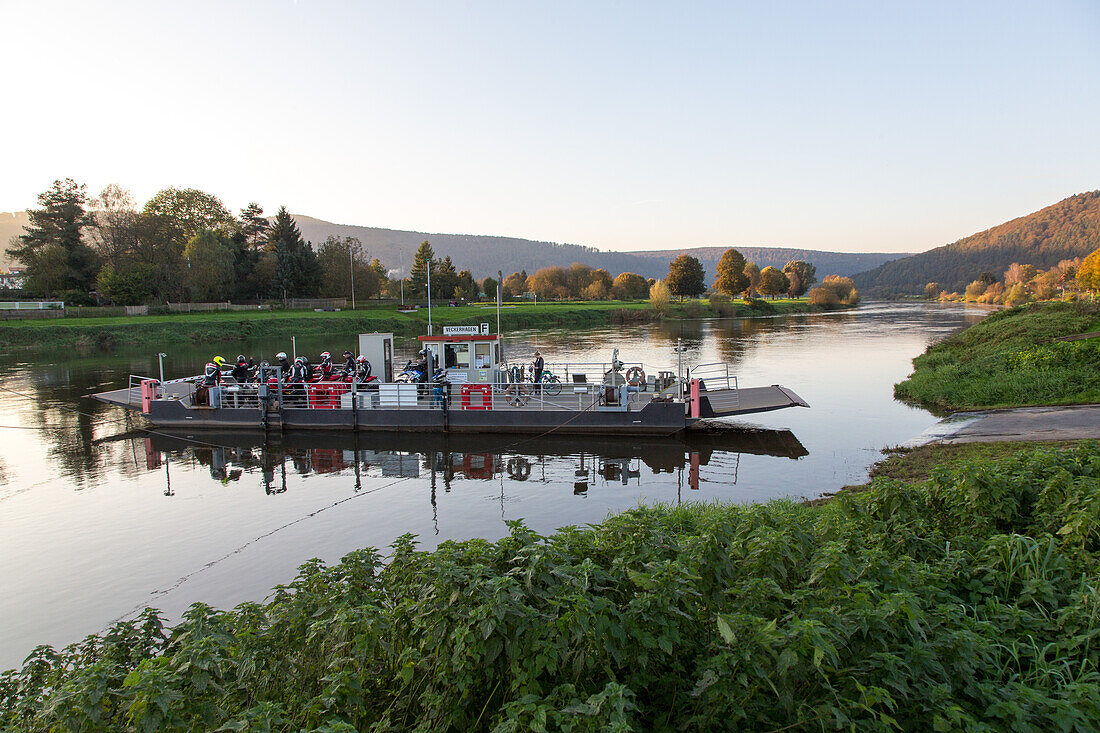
965, 602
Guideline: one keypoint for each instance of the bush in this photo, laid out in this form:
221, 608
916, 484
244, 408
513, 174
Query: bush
964, 602
834, 292
659, 296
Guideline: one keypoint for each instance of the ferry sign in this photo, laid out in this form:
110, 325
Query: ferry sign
461, 330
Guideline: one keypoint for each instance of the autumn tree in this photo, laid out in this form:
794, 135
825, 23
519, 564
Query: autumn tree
111, 226
835, 291
686, 277
931, 291
731, 274
773, 282
629, 286
1088, 274
752, 272
659, 296
801, 275
548, 282
596, 290
515, 284
52, 247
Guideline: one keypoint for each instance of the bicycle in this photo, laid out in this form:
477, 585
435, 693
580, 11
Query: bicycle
551, 384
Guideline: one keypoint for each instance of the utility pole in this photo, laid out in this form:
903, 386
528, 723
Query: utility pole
351, 271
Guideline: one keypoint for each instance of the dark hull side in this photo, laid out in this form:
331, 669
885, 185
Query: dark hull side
656, 418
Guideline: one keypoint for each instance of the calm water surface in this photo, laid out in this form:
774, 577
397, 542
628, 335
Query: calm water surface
99, 518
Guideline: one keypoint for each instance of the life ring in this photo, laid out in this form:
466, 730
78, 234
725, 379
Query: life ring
519, 468
635, 376
515, 395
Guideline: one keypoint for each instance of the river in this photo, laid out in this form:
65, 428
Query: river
100, 518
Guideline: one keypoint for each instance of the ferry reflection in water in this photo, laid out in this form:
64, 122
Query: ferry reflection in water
231, 457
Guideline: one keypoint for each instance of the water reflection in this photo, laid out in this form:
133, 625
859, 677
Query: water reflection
441, 458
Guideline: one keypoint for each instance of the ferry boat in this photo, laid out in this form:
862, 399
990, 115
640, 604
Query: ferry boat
479, 392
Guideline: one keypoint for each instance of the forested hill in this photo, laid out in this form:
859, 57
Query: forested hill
1068, 229
827, 263
484, 255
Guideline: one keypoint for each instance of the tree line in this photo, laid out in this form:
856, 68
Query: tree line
185, 245
1023, 282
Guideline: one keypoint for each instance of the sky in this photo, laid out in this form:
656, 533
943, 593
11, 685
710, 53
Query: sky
845, 126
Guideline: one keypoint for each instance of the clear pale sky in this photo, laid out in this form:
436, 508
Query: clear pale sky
851, 126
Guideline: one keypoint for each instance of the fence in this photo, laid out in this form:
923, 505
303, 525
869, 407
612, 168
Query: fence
19, 305
296, 303
200, 307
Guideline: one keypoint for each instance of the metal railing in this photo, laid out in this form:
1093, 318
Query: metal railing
715, 375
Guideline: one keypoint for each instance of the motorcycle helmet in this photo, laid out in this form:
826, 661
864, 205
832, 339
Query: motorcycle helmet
240, 357
219, 360
281, 355
325, 355
300, 360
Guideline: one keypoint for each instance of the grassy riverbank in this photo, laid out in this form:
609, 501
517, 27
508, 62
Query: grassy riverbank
1010, 360
963, 601
218, 326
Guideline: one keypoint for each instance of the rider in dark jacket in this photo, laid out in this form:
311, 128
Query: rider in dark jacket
243, 370
300, 371
283, 364
349, 364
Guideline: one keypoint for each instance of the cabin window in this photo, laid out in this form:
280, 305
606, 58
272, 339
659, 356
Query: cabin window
481, 355
461, 358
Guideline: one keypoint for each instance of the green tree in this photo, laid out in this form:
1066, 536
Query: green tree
489, 287
296, 273
337, 259
210, 266
133, 284
112, 226
731, 274
467, 286
773, 282
52, 247
752, 272
191, 211
444, 278
418, 274
629, 286
252, 227
801, 275
686, 277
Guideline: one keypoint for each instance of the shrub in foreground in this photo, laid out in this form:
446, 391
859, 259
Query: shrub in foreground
965, 602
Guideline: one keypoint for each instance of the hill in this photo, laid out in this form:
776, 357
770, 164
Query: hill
11, 225
484, 255
1068, 229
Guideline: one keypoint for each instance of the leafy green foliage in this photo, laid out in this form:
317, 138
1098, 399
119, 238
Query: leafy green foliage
296, 272
52, 248
1008, 360
965, 601
731, 279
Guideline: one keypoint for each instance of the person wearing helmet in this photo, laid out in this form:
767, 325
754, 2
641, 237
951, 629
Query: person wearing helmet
326, 365
300, 371
283, 364
212, 374
242, 370
362, 368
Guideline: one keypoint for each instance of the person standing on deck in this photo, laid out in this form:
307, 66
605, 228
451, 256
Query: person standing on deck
242, 371
284, 364
349, 363
538, 366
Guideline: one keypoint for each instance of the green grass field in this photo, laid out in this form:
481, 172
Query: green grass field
1010, 360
